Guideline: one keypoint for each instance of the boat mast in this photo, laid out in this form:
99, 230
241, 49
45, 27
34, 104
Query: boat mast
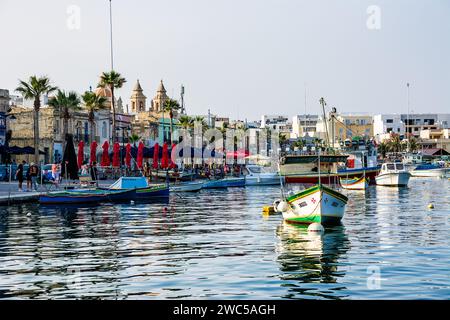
407, 119
323, 103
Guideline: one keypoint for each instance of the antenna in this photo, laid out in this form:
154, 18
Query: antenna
407, 118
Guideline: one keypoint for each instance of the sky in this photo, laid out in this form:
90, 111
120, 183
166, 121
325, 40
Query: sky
240, 58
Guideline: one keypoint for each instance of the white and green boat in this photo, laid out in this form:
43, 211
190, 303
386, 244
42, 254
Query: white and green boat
318, 204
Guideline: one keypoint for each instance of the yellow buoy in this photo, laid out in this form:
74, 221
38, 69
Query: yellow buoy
268, 209
431, 206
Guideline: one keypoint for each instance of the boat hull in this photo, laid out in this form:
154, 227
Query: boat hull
393, 179
262, 180
332, 178
187, 187
431, 173
152, 193
318, 204
354, 184
224, 183
86, 196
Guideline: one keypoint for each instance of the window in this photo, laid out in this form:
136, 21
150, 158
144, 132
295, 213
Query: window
389, 121
389, 130
104, 130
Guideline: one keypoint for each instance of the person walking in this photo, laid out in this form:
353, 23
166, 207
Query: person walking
19, 174
94, 172
34, 174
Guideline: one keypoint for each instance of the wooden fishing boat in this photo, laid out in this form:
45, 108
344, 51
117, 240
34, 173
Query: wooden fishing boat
224, 183
318, 204
86, 196
354, 183
187, 187
144, 191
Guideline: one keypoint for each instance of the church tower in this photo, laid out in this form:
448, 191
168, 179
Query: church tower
160, 98
138, 100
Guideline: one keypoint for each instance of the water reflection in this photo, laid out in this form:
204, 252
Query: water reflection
307, 258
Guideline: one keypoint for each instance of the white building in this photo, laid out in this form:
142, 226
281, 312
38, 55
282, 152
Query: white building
385, 124
279, 123
303, 125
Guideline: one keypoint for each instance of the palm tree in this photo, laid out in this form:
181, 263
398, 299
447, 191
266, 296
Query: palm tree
383, 148
134, 138
282, 138
34, 89
112, 80
413, 145
65, 102
186, 122
93, 103
395, 144
171, 105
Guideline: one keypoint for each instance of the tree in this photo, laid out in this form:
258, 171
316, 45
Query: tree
283, 140
93, 103
383, 148
66, 103
134, 138
34, 89
395, 144
171, 105
112, 80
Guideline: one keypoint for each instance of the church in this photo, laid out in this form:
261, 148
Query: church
151, 123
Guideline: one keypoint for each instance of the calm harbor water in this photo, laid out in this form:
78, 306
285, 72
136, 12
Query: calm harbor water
218, 245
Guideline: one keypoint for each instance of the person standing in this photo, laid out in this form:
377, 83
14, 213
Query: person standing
28, 177
19, 174
34, 174
94, 173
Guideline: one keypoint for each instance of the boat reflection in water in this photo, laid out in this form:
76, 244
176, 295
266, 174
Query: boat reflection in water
307, 259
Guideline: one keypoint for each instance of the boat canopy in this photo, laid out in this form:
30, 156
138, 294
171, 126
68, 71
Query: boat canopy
130, 183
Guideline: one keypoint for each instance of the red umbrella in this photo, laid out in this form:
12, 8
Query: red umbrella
80, 157
155, 156
140, 154
116, 155
173, 156
165, 156
128, 155
93, 156
105, 156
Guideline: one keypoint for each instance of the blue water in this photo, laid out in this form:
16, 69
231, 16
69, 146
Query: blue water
218, 245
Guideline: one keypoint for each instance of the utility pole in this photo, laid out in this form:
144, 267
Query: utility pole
183, 110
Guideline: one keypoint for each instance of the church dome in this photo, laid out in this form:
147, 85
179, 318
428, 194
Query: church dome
103, 92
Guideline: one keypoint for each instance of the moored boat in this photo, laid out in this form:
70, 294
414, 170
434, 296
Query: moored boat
192, 186
86, 196
393, 175
428, 170
144, 191
318, 204
224, 183
260, 176
360, 183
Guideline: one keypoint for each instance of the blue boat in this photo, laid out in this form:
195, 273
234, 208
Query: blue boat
86, 196
224, 183
144, 191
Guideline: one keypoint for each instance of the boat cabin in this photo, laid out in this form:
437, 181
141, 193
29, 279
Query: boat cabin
392, 167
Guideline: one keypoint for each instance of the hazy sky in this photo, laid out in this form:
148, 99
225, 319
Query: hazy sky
240, 58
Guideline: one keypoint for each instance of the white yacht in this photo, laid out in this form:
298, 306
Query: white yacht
393, 175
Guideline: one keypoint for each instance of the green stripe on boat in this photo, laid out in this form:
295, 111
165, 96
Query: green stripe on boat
314, 189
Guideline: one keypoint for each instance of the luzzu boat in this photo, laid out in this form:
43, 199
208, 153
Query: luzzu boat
224, 183
144, 191
318, 204
86, 196
354, 183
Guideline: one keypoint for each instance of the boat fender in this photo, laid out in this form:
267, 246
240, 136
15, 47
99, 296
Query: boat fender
275, 205
283, 206
431, 206
316, 228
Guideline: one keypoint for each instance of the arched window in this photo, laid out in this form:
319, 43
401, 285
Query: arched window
104, 130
